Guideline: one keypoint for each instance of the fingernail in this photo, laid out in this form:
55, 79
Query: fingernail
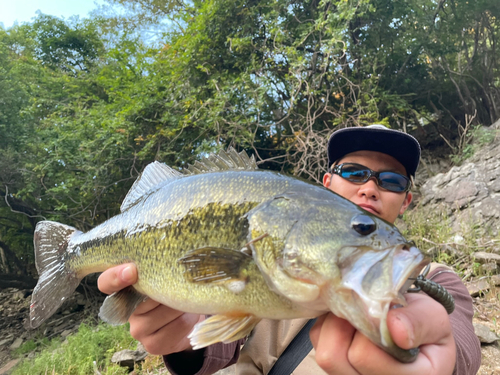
127, 274
396, 306
408, 327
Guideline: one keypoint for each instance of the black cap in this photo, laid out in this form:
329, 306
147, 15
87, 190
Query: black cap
401, 146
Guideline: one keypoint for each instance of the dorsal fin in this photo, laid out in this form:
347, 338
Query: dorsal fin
223, 161
153, 174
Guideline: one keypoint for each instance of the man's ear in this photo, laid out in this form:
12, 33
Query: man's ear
327, 180
406, 202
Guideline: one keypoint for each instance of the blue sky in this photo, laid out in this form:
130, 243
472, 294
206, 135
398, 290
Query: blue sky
24, 10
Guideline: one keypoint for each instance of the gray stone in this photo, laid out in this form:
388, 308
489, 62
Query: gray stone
5, 341
9, 366
127, 357
16, 344
483, 257
470, 191
476, 287
495, 185
495, 280
489, 268
81, 300
485, 335
141, 347
66, 332
18, 295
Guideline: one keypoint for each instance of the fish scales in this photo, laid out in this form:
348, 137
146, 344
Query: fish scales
239, 244
192, 225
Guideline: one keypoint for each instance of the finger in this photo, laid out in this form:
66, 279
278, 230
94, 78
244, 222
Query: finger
333, 345
117, 278
146, 306
145, 322
316, 330
368, 359
423, 321
171, 338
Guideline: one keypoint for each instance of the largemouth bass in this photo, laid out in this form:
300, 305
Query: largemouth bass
237, 243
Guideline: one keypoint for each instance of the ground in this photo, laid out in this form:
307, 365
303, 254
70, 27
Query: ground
487, 312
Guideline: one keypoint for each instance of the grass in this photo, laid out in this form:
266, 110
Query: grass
90, 349
431, 230
32, 345
476, 138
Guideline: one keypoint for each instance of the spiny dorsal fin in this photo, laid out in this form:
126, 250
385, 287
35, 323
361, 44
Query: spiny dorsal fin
153, 174
223, 161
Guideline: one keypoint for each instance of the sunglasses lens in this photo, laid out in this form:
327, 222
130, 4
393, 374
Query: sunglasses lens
393, 181
355, 173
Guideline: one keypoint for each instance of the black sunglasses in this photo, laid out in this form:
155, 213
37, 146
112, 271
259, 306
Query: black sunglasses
360, 174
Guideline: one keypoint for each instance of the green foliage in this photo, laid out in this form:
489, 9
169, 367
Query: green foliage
431, 230
78, 354
32, 345
86, 105
427, 227
60, 46
474, 139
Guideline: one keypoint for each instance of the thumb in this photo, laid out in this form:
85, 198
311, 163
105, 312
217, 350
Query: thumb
117, 278
423, 321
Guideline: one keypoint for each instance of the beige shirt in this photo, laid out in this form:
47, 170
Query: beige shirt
268, 340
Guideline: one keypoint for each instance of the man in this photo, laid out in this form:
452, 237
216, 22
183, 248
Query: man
357, 159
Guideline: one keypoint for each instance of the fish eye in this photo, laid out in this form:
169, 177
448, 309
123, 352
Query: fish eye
363, 224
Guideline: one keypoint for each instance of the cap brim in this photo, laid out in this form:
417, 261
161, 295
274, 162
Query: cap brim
401, 146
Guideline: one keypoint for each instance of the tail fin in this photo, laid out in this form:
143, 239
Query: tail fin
56, 282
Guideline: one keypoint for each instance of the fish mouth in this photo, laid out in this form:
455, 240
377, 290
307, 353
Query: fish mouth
375, 282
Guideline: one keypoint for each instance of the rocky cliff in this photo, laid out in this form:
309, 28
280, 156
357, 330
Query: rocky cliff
470, 191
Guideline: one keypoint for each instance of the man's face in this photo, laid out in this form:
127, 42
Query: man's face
383, 203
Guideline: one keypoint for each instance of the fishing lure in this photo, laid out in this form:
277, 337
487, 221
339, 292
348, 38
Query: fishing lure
433, 290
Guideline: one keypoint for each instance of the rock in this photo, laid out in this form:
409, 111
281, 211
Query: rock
5, 341
495, 280
470, 192
6, 369
141, 347
81, 300
489, 268
16, 344
483, 257
127, 357
485, 335
477, 286
18, 295
66, 333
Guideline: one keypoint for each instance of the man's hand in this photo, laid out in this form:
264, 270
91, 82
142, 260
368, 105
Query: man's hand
159, 328
424, 323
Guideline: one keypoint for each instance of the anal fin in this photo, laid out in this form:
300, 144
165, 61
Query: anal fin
222, 328
118, 307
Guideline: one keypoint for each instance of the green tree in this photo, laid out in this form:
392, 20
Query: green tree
85, 105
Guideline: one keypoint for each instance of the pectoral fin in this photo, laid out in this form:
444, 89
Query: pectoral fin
216, 265
118, 307
221, 328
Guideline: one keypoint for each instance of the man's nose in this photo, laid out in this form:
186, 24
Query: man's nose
370, 189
